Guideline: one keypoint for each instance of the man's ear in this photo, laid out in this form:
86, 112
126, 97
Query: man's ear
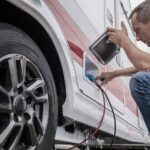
123, 26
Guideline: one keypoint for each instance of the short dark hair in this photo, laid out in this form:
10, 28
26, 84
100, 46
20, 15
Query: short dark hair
142, 11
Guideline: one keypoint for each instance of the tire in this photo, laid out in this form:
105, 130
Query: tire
28, 100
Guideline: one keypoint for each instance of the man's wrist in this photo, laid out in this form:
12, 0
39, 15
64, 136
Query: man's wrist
116, 73
126, 43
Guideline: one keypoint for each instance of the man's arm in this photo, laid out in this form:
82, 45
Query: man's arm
125, 72
140, 59
105, 77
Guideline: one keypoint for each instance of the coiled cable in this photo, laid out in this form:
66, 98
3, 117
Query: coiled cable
102, 118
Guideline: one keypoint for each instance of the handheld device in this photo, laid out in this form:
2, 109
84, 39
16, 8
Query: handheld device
103, 49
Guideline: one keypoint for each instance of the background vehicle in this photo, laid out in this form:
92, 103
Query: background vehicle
44, 59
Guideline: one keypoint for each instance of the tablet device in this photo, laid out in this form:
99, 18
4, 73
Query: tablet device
103, 49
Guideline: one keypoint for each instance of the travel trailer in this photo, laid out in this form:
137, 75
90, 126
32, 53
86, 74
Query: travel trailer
47, 98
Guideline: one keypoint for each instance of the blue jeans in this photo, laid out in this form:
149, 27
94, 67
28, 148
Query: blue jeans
140, 90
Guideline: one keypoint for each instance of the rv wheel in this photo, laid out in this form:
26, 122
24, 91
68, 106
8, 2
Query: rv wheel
28, 103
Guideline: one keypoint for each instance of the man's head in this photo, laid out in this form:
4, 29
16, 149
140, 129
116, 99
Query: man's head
140, 19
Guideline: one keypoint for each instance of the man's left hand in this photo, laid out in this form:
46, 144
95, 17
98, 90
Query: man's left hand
117, 36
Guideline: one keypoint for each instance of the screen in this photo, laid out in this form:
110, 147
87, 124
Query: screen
103, 49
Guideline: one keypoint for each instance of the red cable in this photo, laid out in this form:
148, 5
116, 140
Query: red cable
96, 130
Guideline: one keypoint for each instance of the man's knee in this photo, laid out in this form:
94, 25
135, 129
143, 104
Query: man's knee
136, 84
139, 80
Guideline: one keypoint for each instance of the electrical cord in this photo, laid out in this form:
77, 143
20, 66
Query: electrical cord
102, 118
114, 135
97, 129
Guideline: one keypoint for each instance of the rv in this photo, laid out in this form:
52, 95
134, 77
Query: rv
47, 98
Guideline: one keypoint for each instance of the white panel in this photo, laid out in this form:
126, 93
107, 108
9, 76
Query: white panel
94, 10
88, 15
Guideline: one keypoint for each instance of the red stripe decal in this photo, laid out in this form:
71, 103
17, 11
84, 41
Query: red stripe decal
117, 87
76, 49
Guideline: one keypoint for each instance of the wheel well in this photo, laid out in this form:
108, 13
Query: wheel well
14, 16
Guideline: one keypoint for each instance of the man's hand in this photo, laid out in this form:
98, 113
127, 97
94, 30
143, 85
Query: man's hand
105, 77
118, 36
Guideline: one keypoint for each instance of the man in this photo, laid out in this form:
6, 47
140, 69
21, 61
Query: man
140, 81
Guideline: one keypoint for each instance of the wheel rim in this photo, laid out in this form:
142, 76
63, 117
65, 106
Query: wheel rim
24, 104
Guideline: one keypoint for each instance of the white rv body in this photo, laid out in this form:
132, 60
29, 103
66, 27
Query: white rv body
73, 25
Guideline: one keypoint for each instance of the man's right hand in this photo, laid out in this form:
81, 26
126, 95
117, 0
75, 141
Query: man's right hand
118, 36
105, 77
